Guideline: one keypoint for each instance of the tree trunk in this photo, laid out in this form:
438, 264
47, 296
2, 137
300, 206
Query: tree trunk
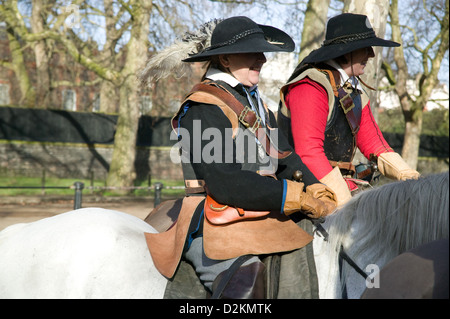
314, 26
411, 143
43, 87
122, 170
377, 12
109, 93
109, 99
18, 65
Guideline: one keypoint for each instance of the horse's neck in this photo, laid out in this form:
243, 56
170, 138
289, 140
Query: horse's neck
327, 269
377, 225
329, 272
354, 283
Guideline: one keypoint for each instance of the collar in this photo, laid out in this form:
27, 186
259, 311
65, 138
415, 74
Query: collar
344, 76
217, 75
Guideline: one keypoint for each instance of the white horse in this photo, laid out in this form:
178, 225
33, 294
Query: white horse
376, 226
98, 253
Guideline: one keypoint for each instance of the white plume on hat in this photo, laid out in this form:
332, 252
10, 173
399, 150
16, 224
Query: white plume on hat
169, 61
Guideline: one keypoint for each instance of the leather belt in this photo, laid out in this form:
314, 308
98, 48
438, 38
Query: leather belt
195, 186
344, 166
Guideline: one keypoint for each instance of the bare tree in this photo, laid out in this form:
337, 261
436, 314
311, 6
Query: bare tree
134, 54
128, 27
29, 29
432, 53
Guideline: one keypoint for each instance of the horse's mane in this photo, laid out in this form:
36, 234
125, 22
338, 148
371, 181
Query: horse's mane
395, 217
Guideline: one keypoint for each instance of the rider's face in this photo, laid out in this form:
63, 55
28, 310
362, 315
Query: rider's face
245, 67
357, 61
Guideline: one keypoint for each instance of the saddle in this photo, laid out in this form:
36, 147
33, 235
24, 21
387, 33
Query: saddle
288, 275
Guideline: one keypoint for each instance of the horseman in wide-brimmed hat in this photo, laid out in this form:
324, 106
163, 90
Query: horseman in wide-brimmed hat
238, 198
326, 112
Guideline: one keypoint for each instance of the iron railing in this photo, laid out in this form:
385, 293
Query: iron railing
78, 188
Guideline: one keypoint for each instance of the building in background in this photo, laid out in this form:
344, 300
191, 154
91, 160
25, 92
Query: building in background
388, 99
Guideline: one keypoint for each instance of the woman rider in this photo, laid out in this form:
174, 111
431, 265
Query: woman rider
232, 155
327, 113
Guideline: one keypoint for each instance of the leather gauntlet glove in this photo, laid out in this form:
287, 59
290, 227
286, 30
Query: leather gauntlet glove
337, 184
325, 194
392, 165
313, 207
298, 200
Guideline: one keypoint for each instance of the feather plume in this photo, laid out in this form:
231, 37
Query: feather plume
169, 60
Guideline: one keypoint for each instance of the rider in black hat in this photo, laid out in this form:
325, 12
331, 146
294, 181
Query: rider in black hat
327, 114
231, 154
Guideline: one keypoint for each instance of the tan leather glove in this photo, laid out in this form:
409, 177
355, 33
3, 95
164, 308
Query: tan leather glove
337, 184
298, 200
325, 194
392, 165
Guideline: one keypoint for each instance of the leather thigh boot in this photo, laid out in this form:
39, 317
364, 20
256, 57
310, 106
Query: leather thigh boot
248, 282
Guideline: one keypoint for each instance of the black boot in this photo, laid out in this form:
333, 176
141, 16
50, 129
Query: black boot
248, 282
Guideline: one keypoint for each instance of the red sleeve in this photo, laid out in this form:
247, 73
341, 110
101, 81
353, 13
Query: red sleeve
369, 138
308, 103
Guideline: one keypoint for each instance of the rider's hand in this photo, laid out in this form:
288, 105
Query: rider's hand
392, 165
318, 201
325, 194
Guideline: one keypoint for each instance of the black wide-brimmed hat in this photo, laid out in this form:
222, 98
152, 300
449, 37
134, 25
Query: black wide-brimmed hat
243, 35
345, 33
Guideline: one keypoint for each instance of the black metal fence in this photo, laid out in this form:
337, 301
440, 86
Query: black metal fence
78, 188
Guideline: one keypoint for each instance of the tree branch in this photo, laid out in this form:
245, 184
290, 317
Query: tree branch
389, 73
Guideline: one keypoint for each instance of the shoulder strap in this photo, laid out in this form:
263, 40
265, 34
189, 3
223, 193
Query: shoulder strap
204, 96
209, 98
244, 115
333, 76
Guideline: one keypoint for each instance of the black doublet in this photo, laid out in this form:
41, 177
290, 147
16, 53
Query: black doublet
340, 142
231, 181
